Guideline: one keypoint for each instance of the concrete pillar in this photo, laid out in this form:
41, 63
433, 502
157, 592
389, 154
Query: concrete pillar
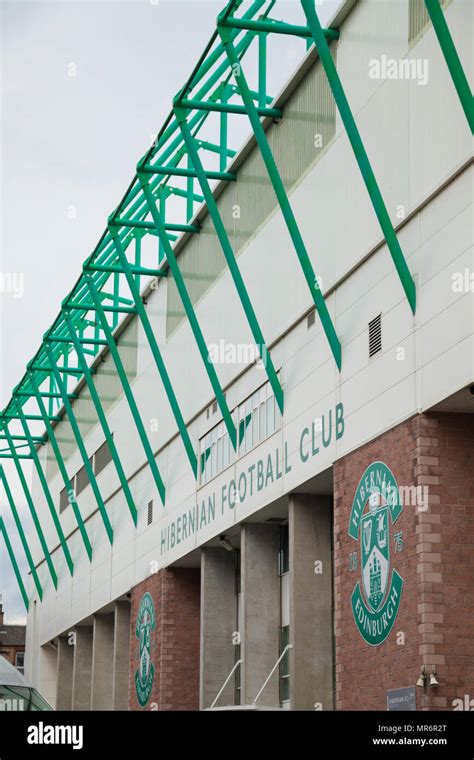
102, 662
82, 669
48, 673
260, 601
218, 623
311, 602
121, 656
65, 669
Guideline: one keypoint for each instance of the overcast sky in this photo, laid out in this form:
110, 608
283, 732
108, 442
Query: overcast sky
85, 86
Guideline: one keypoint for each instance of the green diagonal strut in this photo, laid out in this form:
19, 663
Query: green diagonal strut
31, 507
126, 387
452, 59
154, 348
62, 467
281, 195
46, 491
190, 313
360, 152
80, 444
229, 256
21, 533
16, 569
102, 417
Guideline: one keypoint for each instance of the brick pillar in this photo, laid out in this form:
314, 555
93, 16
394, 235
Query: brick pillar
444, 469
432, 459
174, 641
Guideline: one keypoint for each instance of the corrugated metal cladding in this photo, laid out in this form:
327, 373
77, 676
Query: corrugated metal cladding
419, 19
110, 390
246, 205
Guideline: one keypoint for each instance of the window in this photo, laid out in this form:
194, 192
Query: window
419, 19
283, 554
102, 457
20, 661
64, 498
81, 480
150, 513
216, 452
285, 665
258, 418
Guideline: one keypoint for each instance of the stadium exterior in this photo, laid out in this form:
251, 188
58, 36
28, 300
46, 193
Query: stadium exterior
303, 534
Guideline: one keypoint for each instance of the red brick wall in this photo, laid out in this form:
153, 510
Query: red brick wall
436, 614
175, 640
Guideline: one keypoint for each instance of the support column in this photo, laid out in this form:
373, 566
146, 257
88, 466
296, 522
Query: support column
102, 672
121, 656
260, 612
311, 602
218, 623
64, 674
164, 641
82, 669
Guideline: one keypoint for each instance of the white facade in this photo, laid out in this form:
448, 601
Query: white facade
419, 144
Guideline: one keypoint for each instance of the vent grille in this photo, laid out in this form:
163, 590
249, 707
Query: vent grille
150, 513
375, 335
311, 319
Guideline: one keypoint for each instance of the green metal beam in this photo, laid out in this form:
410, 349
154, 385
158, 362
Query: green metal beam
134, 269
102, 416
62, 467
136, 224
127, 389
147, 168
21, 533
82, 341
108, 309
31, 507
16, 569
20, 456
275, 27
230, 258
80, 445
452, 59
154, 348
360, 152
209, 105
47, 492
44, 394
47, 370
191, 314
36, 438
281, 195
36, 417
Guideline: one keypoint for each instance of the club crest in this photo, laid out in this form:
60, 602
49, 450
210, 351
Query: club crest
376, 596
146, 623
